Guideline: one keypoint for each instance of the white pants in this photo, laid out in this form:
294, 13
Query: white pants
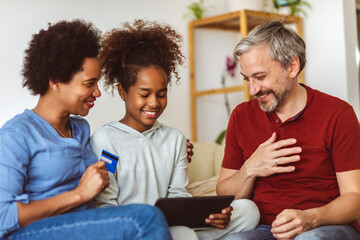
182, 233
245, 216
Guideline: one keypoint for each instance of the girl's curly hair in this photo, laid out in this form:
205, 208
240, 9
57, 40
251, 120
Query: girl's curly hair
128, 50
58, 52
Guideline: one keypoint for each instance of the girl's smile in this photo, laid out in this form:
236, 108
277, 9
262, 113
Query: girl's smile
146, 100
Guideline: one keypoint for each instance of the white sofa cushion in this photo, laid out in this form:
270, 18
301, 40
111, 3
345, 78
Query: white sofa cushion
206, 161
203, 188
204, 168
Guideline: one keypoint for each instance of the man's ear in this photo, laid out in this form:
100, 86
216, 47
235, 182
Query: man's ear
54, 86
294, 67
121, 91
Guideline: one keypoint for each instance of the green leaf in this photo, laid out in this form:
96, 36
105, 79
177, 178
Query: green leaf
221, 137
197, 9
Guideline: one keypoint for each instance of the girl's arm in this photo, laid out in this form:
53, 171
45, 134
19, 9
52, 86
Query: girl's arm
109, 196
179, 177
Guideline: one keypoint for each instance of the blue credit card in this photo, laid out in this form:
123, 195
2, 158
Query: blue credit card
110, 160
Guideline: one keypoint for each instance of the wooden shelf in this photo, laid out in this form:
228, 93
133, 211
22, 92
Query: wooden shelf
220, 90
242, 21
230, 21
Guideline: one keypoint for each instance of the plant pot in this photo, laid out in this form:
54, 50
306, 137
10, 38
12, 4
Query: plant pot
236, 5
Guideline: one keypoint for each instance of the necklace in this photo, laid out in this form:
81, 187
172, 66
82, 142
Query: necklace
53, 125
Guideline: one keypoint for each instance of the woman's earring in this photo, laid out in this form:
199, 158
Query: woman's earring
58, 90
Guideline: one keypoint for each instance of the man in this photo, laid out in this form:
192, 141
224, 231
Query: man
294, 150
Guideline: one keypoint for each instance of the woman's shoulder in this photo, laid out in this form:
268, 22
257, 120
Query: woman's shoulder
21, 130
81, 123
20, 122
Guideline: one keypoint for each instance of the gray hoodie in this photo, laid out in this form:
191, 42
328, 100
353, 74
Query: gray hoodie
151, 164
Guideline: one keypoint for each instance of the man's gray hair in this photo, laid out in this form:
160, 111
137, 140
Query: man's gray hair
284, 43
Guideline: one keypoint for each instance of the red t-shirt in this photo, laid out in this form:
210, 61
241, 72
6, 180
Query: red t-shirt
328, 132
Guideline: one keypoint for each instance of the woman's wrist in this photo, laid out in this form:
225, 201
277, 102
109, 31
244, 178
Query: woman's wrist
77, 198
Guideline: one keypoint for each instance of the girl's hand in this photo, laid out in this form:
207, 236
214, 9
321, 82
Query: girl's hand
220, 220
93, 181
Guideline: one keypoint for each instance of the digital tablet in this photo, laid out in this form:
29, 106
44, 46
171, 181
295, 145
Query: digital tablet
192, 211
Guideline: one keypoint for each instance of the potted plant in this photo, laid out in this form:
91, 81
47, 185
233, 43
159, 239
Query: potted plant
295, 7
236, 5
197, 9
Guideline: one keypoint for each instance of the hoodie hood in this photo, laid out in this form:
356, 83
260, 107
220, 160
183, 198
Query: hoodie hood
126, 128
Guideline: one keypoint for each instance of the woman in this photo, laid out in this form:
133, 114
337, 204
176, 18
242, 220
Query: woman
47, 167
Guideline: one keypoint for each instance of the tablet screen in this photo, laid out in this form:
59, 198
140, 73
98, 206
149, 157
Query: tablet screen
192, 211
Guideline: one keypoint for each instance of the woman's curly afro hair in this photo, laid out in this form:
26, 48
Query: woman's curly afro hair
58, 52
128, 50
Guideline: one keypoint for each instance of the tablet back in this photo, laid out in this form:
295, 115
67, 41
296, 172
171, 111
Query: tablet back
192, 211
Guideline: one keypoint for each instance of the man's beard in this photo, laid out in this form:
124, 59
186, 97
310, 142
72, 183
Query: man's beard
279, 98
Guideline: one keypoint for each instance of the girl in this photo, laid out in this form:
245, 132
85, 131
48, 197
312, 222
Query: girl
139, 60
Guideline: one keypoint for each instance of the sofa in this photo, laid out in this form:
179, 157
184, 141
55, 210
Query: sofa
204, 168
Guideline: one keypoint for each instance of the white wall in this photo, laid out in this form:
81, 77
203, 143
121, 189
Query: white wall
330, 60
330, 33
20, 19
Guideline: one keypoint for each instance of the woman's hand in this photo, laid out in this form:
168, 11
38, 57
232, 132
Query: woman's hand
93, 181
220, 220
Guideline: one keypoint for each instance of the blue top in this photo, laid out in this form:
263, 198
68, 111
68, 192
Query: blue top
36, 163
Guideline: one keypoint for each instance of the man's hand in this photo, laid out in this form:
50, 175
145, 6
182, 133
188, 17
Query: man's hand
267, 160
220, 220
270, 155
290, 223
189, 150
